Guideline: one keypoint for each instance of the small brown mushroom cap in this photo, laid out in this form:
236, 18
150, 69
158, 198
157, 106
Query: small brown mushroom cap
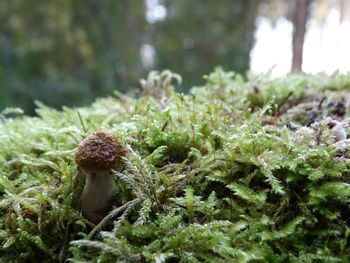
100, 151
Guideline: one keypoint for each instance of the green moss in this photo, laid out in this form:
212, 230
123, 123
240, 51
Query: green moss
233, 171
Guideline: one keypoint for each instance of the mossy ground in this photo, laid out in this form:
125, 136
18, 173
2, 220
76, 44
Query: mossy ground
232, 172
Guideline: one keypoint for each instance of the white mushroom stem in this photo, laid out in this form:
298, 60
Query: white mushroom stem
97, 195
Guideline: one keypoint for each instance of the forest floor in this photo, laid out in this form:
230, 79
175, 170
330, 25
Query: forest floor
244, 170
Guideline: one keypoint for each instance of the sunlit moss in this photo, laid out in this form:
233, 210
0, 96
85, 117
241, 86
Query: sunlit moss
227, 173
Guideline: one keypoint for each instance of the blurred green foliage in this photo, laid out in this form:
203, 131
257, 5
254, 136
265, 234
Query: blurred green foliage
68, 52
198, 35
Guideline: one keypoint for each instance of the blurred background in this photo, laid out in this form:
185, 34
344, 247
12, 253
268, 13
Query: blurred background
69, 52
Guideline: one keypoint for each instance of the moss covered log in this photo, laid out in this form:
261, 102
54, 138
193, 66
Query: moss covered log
240, 170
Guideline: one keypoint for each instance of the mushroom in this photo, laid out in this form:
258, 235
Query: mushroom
336, 134
337, 130
97, 155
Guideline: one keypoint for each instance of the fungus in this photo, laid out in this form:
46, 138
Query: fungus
97, 155
337, 130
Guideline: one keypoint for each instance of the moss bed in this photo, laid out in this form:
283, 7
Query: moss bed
239, 170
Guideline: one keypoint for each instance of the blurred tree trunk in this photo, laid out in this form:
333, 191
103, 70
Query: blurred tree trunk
342, 9
299, 19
